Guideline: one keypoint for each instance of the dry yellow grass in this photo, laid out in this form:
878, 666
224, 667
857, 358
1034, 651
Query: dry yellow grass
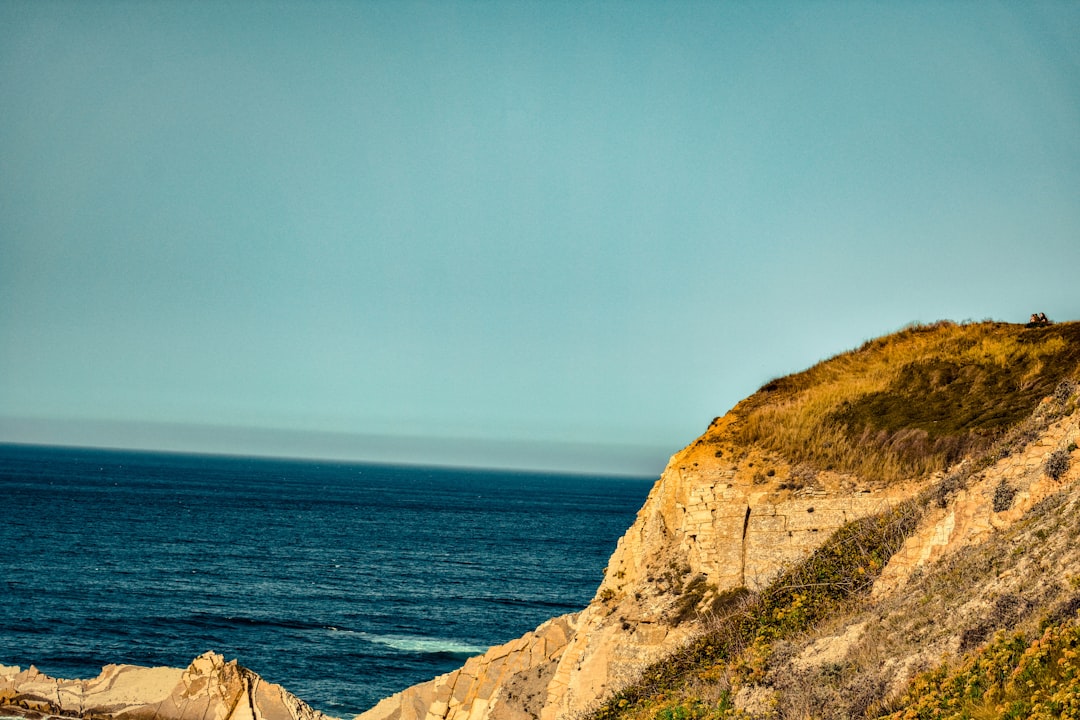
910, 403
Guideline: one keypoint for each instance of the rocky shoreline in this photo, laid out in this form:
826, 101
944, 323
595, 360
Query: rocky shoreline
208, 689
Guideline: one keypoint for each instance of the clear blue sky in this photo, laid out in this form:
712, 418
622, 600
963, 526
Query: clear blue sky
537, 234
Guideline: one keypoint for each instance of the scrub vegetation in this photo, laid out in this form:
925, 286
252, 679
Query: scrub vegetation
1013, 677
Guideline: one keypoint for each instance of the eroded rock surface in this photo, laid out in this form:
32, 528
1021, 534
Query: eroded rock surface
975, 513
709, 524
209, 689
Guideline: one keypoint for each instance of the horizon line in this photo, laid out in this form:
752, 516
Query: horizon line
521, 455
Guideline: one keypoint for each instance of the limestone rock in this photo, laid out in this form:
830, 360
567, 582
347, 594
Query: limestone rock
209, 689
508, 681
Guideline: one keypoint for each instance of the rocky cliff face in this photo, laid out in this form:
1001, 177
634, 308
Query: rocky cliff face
991, 501
708, 525
209, 689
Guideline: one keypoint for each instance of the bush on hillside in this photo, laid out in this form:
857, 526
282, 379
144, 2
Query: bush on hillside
1064, 390
1003, 496
1011, 678
1057, 464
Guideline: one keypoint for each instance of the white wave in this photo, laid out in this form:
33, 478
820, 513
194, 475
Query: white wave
415, 643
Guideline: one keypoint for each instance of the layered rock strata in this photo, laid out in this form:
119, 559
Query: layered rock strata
209, 689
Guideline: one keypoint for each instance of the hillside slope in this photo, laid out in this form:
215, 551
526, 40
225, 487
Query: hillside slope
902, 452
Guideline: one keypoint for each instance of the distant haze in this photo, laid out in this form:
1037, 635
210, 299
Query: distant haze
530, 455
523, 234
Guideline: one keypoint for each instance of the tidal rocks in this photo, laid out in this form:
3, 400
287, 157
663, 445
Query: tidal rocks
209, 689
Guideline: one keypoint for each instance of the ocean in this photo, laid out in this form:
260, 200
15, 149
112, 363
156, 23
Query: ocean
342, 582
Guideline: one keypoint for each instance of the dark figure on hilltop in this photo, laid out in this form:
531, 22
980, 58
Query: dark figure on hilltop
1038, 320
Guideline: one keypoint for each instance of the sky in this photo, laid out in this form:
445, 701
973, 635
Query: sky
544, 235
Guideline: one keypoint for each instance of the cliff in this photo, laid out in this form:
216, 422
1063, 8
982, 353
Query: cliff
900, 423
826, 543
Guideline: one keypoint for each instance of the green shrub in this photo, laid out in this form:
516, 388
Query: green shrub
1010, 678
697, 710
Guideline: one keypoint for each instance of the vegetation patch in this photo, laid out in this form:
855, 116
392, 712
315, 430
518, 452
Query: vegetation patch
698, 709
1003, 496
691, 596
1013, 677
1057, 464
916, 401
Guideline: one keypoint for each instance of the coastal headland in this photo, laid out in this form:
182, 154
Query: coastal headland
823, 546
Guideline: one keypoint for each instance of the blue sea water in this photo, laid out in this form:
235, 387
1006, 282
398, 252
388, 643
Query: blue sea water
342, 582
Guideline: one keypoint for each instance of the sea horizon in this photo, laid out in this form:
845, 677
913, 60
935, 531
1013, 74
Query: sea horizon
629, 459
317, 460
343, 582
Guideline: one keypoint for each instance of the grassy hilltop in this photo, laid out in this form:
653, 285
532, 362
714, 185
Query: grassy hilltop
989, 631
914, 402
